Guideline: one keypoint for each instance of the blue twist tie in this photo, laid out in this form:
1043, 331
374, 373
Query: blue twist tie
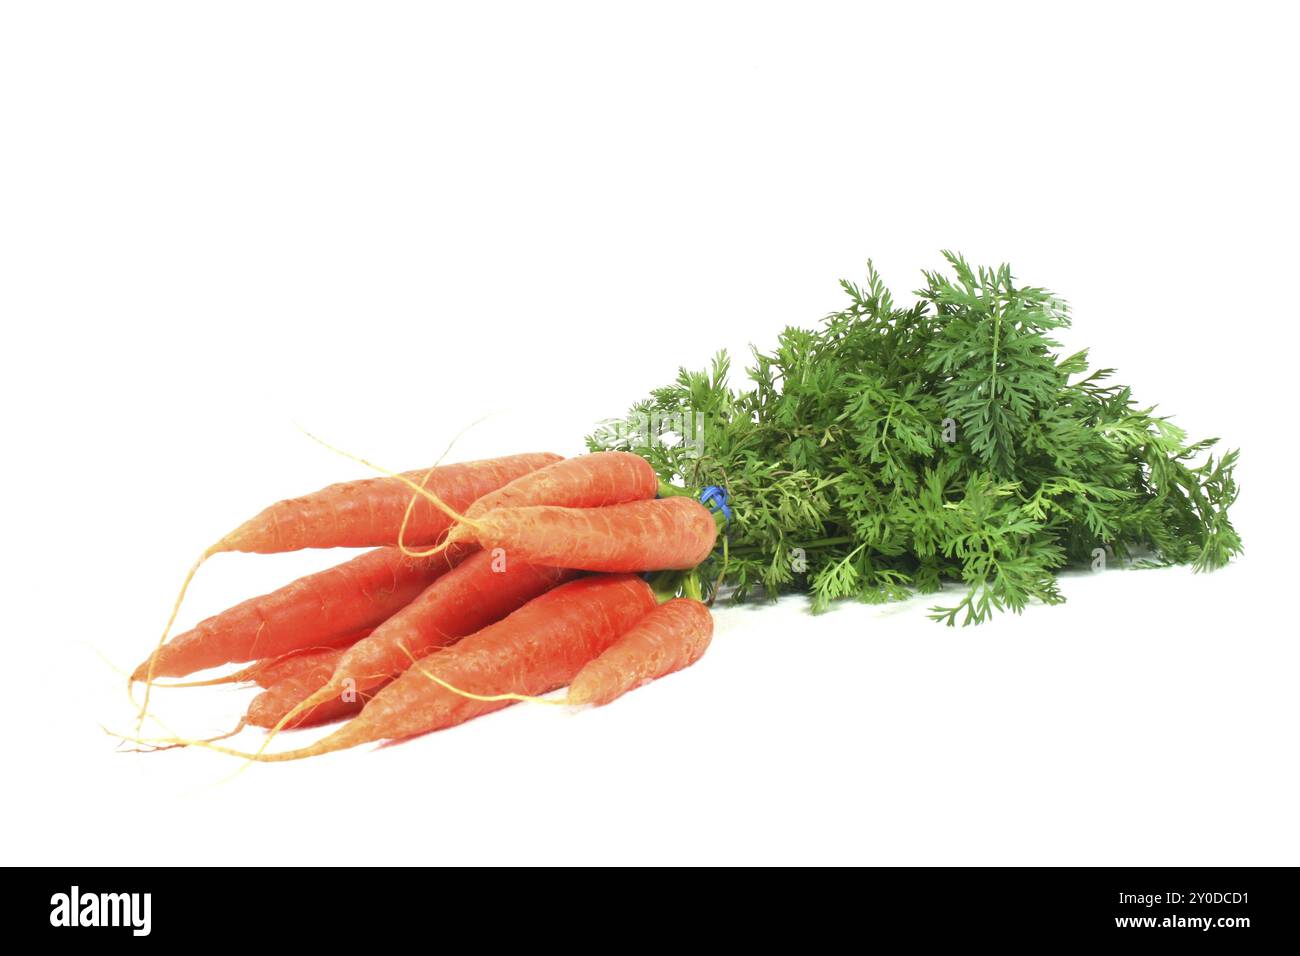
714, 498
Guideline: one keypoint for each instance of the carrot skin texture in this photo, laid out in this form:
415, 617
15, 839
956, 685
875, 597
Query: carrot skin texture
659, 535
313, 610
269, 670
266, 674
538, 648
268, 708
587, 481
533, 651
672, 636
267, 713
369, 513
477, 593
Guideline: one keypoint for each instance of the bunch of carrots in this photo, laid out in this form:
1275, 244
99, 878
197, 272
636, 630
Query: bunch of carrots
489, 582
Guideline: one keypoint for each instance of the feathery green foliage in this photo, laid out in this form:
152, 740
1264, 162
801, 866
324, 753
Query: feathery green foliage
895, 449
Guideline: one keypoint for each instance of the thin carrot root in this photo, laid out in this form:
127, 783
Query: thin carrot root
410, 505
212, 682
156, 747
491, 698
406, 520
314, 700
420, 491
171, 620
169, 743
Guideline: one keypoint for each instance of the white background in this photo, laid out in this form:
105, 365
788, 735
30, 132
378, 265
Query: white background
385, 221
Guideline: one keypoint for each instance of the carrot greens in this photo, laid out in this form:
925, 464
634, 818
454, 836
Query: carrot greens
898, 448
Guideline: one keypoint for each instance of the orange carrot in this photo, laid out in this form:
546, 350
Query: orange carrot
588, 481
672, 636
659, 535
271, 670
266, 674
359, 514
311, 611
538, 648
279, 701
283, 697
484, 589
368, 513
669, 534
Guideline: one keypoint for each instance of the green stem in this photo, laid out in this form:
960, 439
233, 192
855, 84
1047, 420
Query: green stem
665, 584
806, 545
672, 491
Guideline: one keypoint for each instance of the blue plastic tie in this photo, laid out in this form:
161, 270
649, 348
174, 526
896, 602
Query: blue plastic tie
714, 498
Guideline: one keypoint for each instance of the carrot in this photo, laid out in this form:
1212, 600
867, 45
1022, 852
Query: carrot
287, 687
271, 670
269, 708
538, 648
359, 514
587, 481
369, 512
664, 534
266, 674
311, 611
484, 589
481, 591
672, 636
